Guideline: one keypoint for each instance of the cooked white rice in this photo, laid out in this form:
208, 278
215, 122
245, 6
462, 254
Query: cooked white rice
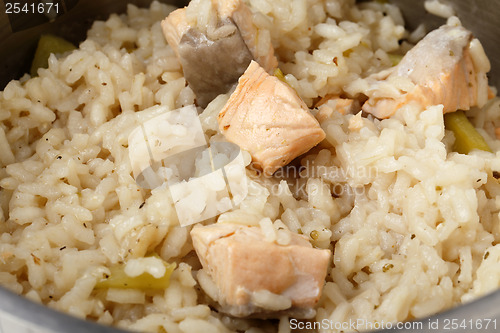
413, 226
438, 8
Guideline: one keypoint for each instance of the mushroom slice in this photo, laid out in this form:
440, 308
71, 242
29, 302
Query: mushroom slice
212, 67
263, 53
214, 57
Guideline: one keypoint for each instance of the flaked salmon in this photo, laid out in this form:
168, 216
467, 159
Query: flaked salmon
442, 70
331, 103
244, 266
267, 118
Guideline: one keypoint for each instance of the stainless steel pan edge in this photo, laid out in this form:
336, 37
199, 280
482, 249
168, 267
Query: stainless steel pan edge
20, 315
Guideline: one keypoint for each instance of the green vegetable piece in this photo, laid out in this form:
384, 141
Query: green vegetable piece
347, 53
118, 279
467, 137
395, 58
46, 45
279, 74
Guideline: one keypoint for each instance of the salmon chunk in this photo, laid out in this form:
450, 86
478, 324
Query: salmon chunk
249, 271
267, 118
441, 69
213, 57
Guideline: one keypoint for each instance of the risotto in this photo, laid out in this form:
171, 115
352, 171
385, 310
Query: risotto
381, 212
